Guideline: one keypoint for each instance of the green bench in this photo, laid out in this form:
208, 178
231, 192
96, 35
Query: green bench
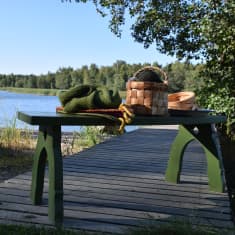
48, 148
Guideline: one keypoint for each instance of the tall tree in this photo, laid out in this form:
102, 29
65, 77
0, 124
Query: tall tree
63, 78
189, 30
93, 72
85, 74
176, 73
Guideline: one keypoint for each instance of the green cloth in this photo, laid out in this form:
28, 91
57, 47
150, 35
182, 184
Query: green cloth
89, 97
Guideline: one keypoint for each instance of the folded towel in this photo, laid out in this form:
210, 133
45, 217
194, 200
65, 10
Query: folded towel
89, 97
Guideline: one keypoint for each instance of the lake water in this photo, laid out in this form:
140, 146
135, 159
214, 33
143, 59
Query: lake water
11, 102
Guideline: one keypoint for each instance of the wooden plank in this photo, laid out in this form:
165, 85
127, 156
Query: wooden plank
133, 186
131, 182
118, 159
112, 187
111, 203
166, 212
164, 198
160, 168
147, 192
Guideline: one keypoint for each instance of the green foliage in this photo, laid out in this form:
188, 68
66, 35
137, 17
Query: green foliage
219, 72
173, 26
89, 136
181, 75
222, 102
189, 30
178, 228
167, 229
33, 230
63, 78
11, 138
193, 80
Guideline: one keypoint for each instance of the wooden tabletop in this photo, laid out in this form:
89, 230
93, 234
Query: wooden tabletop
53, 118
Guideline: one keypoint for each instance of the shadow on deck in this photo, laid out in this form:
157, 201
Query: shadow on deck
120, 184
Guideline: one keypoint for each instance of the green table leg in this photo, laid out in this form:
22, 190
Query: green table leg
207, 136
48, 149
181, 141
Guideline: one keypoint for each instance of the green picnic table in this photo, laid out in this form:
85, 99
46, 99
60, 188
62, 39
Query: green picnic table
48, 148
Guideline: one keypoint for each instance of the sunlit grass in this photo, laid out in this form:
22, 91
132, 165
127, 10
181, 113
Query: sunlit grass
16, 149
17, 145
38, 91
166, 229
14, 139
179, 228
88, 136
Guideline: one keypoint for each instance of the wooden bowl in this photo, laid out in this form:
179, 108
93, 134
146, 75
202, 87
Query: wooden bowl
184, 100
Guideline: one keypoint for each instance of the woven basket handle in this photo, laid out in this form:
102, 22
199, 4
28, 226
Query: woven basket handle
153, 68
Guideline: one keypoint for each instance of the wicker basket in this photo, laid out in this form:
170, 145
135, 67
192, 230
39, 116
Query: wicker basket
184, 100
148, 98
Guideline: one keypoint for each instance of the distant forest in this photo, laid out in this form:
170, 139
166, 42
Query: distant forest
182, 76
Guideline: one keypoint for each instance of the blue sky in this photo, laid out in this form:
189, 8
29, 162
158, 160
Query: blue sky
44, 35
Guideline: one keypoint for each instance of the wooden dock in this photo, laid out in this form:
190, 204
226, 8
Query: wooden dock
119, 185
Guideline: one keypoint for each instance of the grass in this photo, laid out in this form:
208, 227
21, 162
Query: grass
166, 229
179, 229
16, 150
32, 230
11, 166
16, 140
17, 146
89, 136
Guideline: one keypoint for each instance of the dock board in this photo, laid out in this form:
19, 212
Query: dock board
120, 185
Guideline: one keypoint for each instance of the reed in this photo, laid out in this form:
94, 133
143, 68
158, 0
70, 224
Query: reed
17, 146
16, 150
89, 136
15, 140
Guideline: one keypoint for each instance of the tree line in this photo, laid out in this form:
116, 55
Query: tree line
181, 76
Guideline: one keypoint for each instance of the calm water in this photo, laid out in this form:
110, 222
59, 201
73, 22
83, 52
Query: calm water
11, 102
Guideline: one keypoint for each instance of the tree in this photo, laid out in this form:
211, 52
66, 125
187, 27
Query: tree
93, 72
193, 79
189, 30
120, 76
77, 78
219, 90
174, 26
50, 77
177, 75
63, 78
85, 75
